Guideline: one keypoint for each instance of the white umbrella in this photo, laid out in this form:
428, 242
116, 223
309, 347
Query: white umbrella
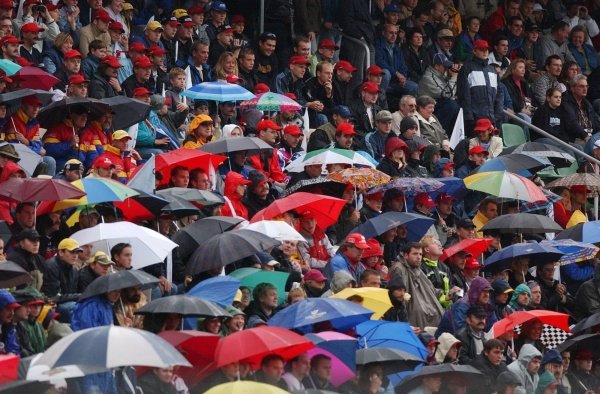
149, 247
57, 375
103, 348
276, 229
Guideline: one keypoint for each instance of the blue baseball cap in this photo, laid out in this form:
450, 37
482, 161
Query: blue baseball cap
7, 300
342, 111
218, 6
391, 8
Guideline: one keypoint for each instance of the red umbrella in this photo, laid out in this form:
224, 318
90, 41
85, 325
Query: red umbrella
35, 78
190, 158
474, 246
9, 367
325, 209
554, 319
38, 189
252, 345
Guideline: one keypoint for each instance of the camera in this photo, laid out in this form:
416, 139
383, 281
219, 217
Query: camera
38, 8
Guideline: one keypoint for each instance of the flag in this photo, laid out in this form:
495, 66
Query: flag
458, 132
188, 78
144, 179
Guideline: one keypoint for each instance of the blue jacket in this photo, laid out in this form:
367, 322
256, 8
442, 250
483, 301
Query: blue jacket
478, 92
392, 63
339, 262
92, 312
196, 78
8, 337
590, 53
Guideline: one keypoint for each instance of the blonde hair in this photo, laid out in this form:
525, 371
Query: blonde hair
63, 37
219, 67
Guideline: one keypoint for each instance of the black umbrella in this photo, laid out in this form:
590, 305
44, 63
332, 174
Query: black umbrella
584, 341
60, 110
15, 97
117, 281
183, 305
126, 111
515, 162
203, 197
392, 360
319, 185
251, 144
522, 223
179, 207
379, 224
12, 274
226, 248
588, 322
556, 155
450, 370
5, 233
24, 386
190, 237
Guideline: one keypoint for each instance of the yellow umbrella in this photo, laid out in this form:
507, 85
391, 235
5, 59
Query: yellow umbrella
374, 299
245, 387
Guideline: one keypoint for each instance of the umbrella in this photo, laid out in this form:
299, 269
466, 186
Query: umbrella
28, 159
447, 370
324, 208
374, 299
341, 349
189, 158
144, 206
190, 237
588, 322
340, 372
556, 155
341, 314
475, 247
35, 78
38, 189
111, 347
271, 102
392, 360
252, 145
9, 67
12, 97
586, 341
5, 233
411, 186
226, 248
126, 111
318, 185
219, 289
362, 178
522, 223
537, 253
103, 190
276, 229
519, 163
573, 251
44, 373
253, 344
416, 224
396, 335
203, 197
149, 247
12, 274
9, 367
591, 181
118, 281
25, 386
452, 185
217, 91
183, 305
245, 387
583, 232
251, 277
60, 110
505, 184
180, 208
551, 198
329, 156
554, 319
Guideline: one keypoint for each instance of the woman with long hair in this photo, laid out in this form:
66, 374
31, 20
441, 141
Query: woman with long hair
226, 65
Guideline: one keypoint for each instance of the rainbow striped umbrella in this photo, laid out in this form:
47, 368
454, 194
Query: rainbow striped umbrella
505, 184
270, 101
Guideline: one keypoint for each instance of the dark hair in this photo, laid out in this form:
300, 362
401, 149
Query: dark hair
176, 169
95, 45
261, 290
550, 58
411, 245
559, 26
497, 38
195, 172
118, 249
514, 18
298, 39
245, 52
549, 93
317, 358
271, 357
197, 45
22, 205
493, 344
368, 272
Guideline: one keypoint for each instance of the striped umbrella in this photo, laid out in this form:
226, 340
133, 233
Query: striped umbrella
539, 205
573, 251
217, 91
505, 184
329, 156
271, 102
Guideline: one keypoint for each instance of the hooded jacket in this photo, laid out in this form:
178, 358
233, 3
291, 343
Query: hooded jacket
447, 340
545, 380
529, 382
522, 288
234, 206
8, 170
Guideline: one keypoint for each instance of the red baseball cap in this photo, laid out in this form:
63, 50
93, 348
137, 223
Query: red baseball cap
484, 124
314, 274
31, 100
111, 61
195, 9
267, 124
232, 78
445, 196
235, 19
142, 62
471, 263
10, 39
374, 249
6, 4
290, 95
375, 70
77, 79
478, 149
358, 240
172, 21
370, 87
155, 50
137, 46
424, 199
261, 88
72, 54
102, 15
299, 60
114, 25
344, 65
292, 129
31, 27
328, 44
345, 128
377, 196
481, 44
140, 92
103, 162
580, 189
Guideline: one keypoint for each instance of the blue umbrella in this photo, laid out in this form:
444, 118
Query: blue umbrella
583, 232
341, 314
417, 225
395, 335
410, 186
221, 290
517, 163
343, 349
573, 251
217, 91
9, 67
537, 253
453, 186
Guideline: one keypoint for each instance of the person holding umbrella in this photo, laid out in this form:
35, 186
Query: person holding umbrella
117, 153
268, 162
61, 141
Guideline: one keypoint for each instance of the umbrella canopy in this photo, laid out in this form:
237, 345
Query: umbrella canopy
556, 155
374, 299
11, 98
38, 189
9, 366
452, 185
585, 341
203, 197
302, 315
411, 186
245, 387
118, 281
573, 251
12, 275
341, 345
392, 360
219, 289
9, 67
324, 208
588, 322
416, 224
537, 253
103, 347
144, 206
583, 232
253, 344
25, 386
318, 185
226, 248
445, 370
251, 145
126, 111
554, 319
104, 190
183, 305
540, 205
519, 163
363, 178
35, 78
329, 156
505, 184
396, 335
522, 223
591, 181
149, 247
60, 110
475, 247
271, 102
190, 158
28, 159
251, 277
217, 91
180, 208
276, 229
45, 373
190, 237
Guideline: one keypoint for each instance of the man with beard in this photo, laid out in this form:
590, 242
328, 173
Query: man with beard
472, 335
314, 283
132, 299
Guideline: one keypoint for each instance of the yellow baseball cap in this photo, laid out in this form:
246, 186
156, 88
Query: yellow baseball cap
154, 25
102, 258
120, 134
69, 244
198, 120
128, 7
180, 13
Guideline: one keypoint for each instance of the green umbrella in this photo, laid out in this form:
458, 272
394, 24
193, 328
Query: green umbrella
330, 156
9, 67
251, 277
